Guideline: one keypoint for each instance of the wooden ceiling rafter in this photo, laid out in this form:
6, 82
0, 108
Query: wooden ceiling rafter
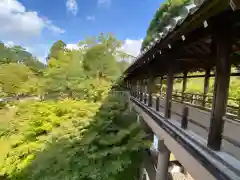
192, 53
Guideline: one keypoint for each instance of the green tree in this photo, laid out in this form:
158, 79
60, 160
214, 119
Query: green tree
162, 17
18, 54
12, 78
64, 75
98, 62
100, 59
56, 47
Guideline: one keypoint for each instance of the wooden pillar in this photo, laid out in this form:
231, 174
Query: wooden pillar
221, 86
145, 91
184, 85
161, 84
137, 89
163, 161
168, 98
206, 86
150, 88
133, 88
141, 89
130, 88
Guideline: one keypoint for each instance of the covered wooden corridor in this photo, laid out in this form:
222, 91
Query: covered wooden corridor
202, 131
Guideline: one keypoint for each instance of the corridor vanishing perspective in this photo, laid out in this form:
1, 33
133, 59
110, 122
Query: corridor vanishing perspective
202, 130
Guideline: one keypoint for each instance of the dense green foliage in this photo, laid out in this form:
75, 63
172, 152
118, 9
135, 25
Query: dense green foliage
196, 85
73, 140
57, 47
16, 79
76, 130
17, 54
67, 72
167, 11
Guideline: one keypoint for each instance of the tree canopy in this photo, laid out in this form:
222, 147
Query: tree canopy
14, 77
56, 47
66, 71
17, 54
78, 130
167, 11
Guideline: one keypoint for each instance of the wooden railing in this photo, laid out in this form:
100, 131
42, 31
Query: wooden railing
205, 102
173, 130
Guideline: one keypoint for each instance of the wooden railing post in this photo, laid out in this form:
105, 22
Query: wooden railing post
157, 103
145, 92
221, 86
184, 122
141, 90
192, 96
184, 85
150, 88
238, 108
168, 98
206, 87
161, 84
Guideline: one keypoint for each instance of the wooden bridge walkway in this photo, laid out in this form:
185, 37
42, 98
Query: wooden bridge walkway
204, 38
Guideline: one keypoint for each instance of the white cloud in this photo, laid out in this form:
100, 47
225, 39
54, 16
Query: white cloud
72, 6
72, 46
132, 47
17, 23
9, 43
105, 3
91, 18
50, 26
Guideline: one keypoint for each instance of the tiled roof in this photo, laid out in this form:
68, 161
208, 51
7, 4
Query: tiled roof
174, 23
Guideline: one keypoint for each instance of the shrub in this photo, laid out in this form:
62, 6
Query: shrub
75, 140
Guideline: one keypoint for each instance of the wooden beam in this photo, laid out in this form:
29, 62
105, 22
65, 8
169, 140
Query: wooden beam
184, 85
161, 85
141, 89
189, 50
168, 98
221, 86
194, 76
151, 84
206, 86
205, 47
198, 49
145, 91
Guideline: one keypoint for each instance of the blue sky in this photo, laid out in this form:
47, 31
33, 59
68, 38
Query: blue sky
36, 24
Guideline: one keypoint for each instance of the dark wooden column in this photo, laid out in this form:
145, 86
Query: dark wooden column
133, 88
150, 88
168, 98
206, 86
130, 87
184, 85
145, 91
137, 89
161, 84
221, 86
141, 89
